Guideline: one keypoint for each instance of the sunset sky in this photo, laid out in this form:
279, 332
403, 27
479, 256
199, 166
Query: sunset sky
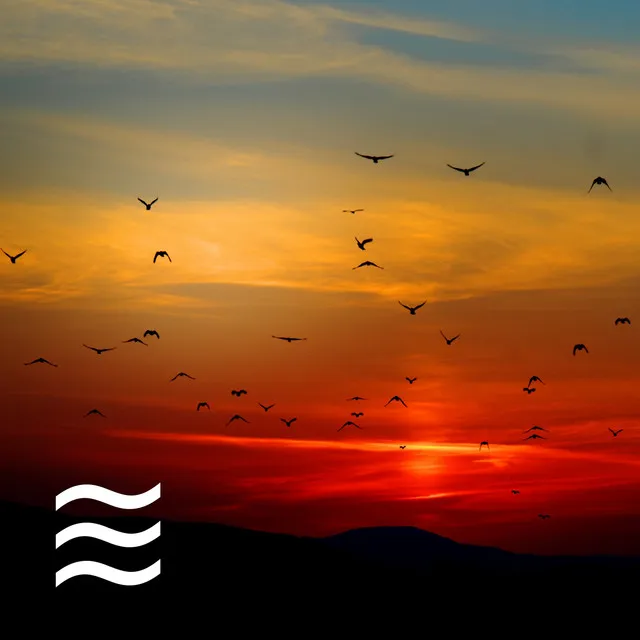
243, 117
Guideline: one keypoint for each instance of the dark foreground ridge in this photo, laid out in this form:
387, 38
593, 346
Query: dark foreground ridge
231, 566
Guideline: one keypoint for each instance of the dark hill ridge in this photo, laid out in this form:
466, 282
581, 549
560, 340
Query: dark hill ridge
223, 563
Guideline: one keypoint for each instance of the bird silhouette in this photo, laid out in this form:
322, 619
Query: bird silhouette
534, 436
348, 423
266, 408
357, 414
181, 375
161, 254
94, 412
288, 422
622, 321
367, 263
533, 379
410, 380
396, 399
148, 205
466, 171
484, 443
13, 258
580, 347
373, 159
289, 340
363, 242
238, 392
40, 360
355, 398
529, 390
449, 341
544, 516
615, 433
98, 351
202, 405
599, 180
151, 332
236, 417
135, 340
352, 211
515, 492
412, 310
403, 446
536, 428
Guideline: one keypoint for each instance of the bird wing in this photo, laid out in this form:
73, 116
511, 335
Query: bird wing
401, 400
592, 185
88, 347
420, 305
456, 337
575, 348
358, 210
383, 157
143, 202
456, 168
5, 253
156, 256
476, 167
168, 256
606, 184
585, 348
367, 240
364, 156
612, 431
20, 254
404, 305
153, 201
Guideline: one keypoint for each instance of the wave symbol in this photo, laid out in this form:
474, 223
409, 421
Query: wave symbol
106, 534
106, 496
103, 571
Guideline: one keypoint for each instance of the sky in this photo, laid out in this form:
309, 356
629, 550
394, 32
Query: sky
242, 117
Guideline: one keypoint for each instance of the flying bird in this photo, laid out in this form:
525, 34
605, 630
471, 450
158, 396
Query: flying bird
355, 398
410, 380
533, 379
529, 390
403, 446
615, 433
289, 340
181, 375
412, 310
579, 347
13, 258
236, 417
266, 408
536, 428
465, 171
151, 332
135, 340
348, 423
396, 399
352, 211
98, 351
148, 205
202, 405
357, 414
288, 422
363, 242
161, 254
367, 263
484, 443
449, 341
515, 492
238, 392
374, 159
534, 436
543, 516
94, 412
622, 321
599, 180
40, 360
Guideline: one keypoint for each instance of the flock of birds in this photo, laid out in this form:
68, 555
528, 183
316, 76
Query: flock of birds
361, 244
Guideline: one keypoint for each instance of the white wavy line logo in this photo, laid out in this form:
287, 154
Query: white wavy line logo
105, 572
106, 496
106, 534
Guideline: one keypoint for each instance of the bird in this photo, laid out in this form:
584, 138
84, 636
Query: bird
352, 211
599, 180
396, 399
403, 446
536, 428
374, 159
579, 347
615, 433
135, 340
94, 412
201, 405
355, 398
238, 392
236, 417
412, 310
466, 171
533, 379
534, 436
288, 422
515, 492
161, 254
367, 263
181, 375
98, 351
148, 205
529, 390
622, 321
40, 360
449, 341
289, 340
410, 380
363, 242
484, 443
13, 258
348, 423
266, 408
151, 332
543, 516
357, 414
